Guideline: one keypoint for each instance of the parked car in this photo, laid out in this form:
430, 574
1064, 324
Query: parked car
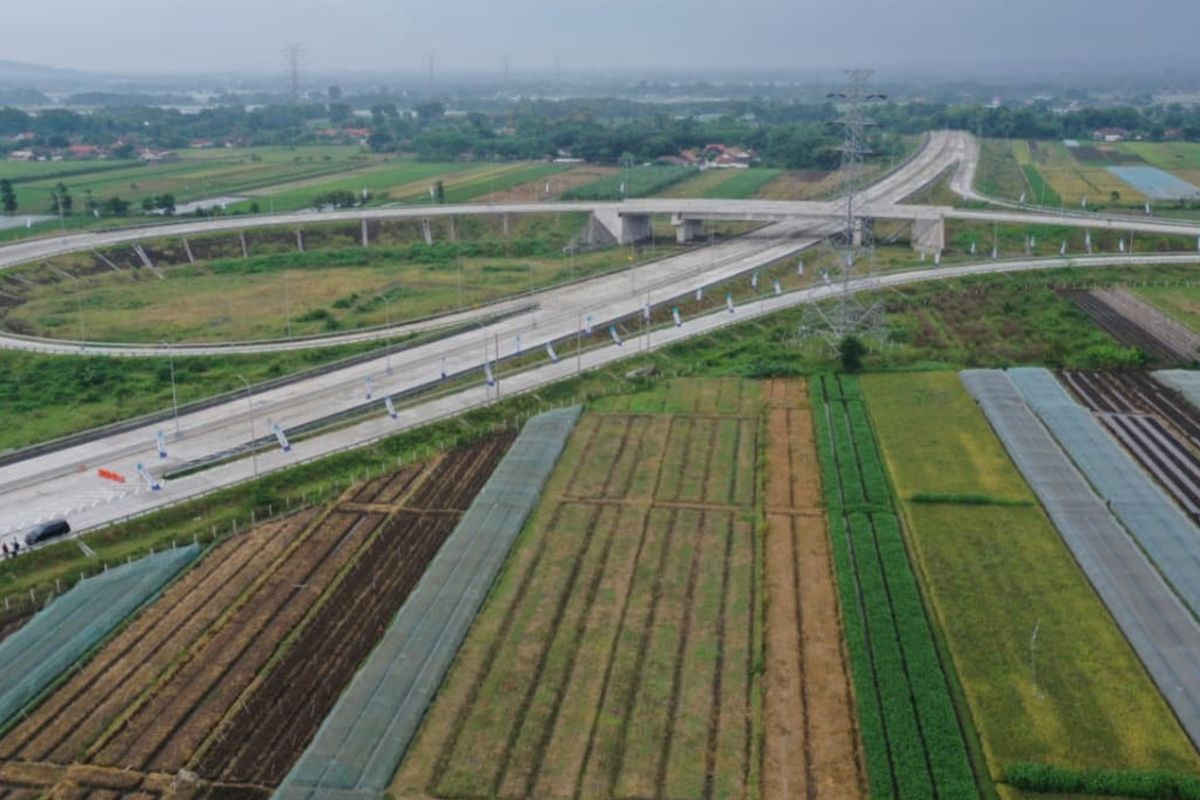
47, 530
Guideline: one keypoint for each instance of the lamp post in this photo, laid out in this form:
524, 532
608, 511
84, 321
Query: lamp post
250, 405
174, 393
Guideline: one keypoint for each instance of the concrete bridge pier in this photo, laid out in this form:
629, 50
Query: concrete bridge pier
929, 235
427, 230
686, 230
366, 235
624, 228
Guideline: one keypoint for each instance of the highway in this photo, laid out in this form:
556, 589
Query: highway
65, 483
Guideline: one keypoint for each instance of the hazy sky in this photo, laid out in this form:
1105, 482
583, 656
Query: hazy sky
247, 35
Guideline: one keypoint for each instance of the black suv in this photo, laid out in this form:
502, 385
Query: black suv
47, 530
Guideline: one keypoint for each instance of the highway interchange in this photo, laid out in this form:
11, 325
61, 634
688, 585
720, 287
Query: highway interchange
64, 482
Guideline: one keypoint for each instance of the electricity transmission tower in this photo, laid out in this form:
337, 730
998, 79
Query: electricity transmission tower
850, 251
293, 55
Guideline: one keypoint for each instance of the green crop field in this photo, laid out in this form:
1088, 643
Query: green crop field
196, 175
1170, 156
638, 182
912, 738
617, 653
728, 184
1000, 174
995, 570
390, 180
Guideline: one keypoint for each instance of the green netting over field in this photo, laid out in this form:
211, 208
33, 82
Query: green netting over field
62, 633
361, 742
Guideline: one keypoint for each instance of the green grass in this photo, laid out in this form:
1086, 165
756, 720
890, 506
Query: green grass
1000, 175
638, 182
911, 737
1181, 302
1042, 193
995, 571
503, 182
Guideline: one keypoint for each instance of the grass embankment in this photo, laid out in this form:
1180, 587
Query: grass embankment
300, 294
912, 739
996, 571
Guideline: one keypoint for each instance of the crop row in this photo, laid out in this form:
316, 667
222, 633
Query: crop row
911, 736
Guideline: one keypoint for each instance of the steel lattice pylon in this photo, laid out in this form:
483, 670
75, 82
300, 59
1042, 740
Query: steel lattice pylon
848, 254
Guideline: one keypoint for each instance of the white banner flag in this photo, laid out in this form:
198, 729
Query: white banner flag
646, 311
161, 441
778, 289
518, 344
699, 294
800, 267
678, 319
487, 372
754, 281
729, 301
1062, 251
369, 387
391, 407
550, 352
587, 325
616, 337
148, 478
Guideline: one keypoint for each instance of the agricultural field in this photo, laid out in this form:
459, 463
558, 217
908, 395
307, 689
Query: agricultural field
809, 184
914, 742
382, 181
196, 175
995, 571
638, 182
621, 650
231, 671
726, 184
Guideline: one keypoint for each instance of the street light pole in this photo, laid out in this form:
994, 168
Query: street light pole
174, 394
250, 405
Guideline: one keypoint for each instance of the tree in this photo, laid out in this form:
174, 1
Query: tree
60, 201
8, 198
340, 113
851, 350
439, 193
166, 202
116, 207
336, 199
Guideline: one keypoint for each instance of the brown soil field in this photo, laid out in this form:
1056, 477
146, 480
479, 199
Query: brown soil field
811, 745
227, 676
75, 715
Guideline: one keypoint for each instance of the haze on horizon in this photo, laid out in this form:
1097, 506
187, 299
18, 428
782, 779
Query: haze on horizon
147, 37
